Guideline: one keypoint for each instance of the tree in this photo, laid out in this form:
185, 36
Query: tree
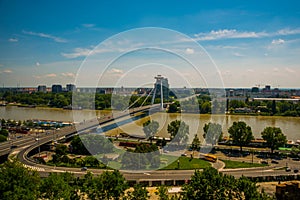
179, 131
139, 193
57, 186
173, 108
4, 132
212, 133
18, 182
210, 184
205, 107
162, 192
274, 137
150, 128
240, 133
108, 185
92, 161
3, 138
78, 147
61, 149
196, 142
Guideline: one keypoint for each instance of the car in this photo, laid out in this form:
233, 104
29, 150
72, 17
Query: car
288, 169
264, 162
184, 154
296, 170
274, 162
19, 136
296, 159
83, 168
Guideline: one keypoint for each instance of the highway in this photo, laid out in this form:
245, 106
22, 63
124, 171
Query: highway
7, 147
27, 144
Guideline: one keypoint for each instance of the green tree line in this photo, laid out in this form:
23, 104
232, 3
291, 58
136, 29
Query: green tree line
83, 100
18, 182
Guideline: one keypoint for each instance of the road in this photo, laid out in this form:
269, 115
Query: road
27, 144
6, 147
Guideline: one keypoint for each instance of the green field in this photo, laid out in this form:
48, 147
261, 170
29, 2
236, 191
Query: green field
185, 163
229, 164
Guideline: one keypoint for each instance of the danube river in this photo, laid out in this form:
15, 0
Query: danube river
289, 125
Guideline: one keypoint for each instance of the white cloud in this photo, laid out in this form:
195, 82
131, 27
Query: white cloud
227, 33
7, 71
233, 33
50, 75
37, 64
288, 31
250, 70
68, 74
115, 71
189, 51
13, 40
81, 52
238, 54
278, 42
275, 69
44, 35
78, 52
289, 70
36, 77
88, 25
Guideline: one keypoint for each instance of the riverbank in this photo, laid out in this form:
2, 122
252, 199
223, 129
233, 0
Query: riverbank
289, 125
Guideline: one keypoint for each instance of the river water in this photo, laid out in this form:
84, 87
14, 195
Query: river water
289, 125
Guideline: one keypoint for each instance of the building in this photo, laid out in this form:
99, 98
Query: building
163, 83
70, 87
56, 88
42, 88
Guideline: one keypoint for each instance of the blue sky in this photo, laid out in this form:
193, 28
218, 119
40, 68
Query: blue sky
251, 42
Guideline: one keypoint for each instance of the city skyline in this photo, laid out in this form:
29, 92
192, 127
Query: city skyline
251, 43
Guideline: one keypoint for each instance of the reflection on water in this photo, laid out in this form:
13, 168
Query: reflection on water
289, 125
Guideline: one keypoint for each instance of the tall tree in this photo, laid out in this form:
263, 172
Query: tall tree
150, 128
212, 133
212, 185
274, 137
240, 133
108, 185
58, 186
139, 193
179, 131
162, 192
18, 182
173, 108
196, 142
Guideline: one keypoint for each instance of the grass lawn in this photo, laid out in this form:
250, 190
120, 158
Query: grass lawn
229, 164
185, 163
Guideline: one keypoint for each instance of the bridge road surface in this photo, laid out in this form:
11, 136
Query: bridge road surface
8, 146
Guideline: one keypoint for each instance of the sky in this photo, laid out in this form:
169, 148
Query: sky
106, 43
